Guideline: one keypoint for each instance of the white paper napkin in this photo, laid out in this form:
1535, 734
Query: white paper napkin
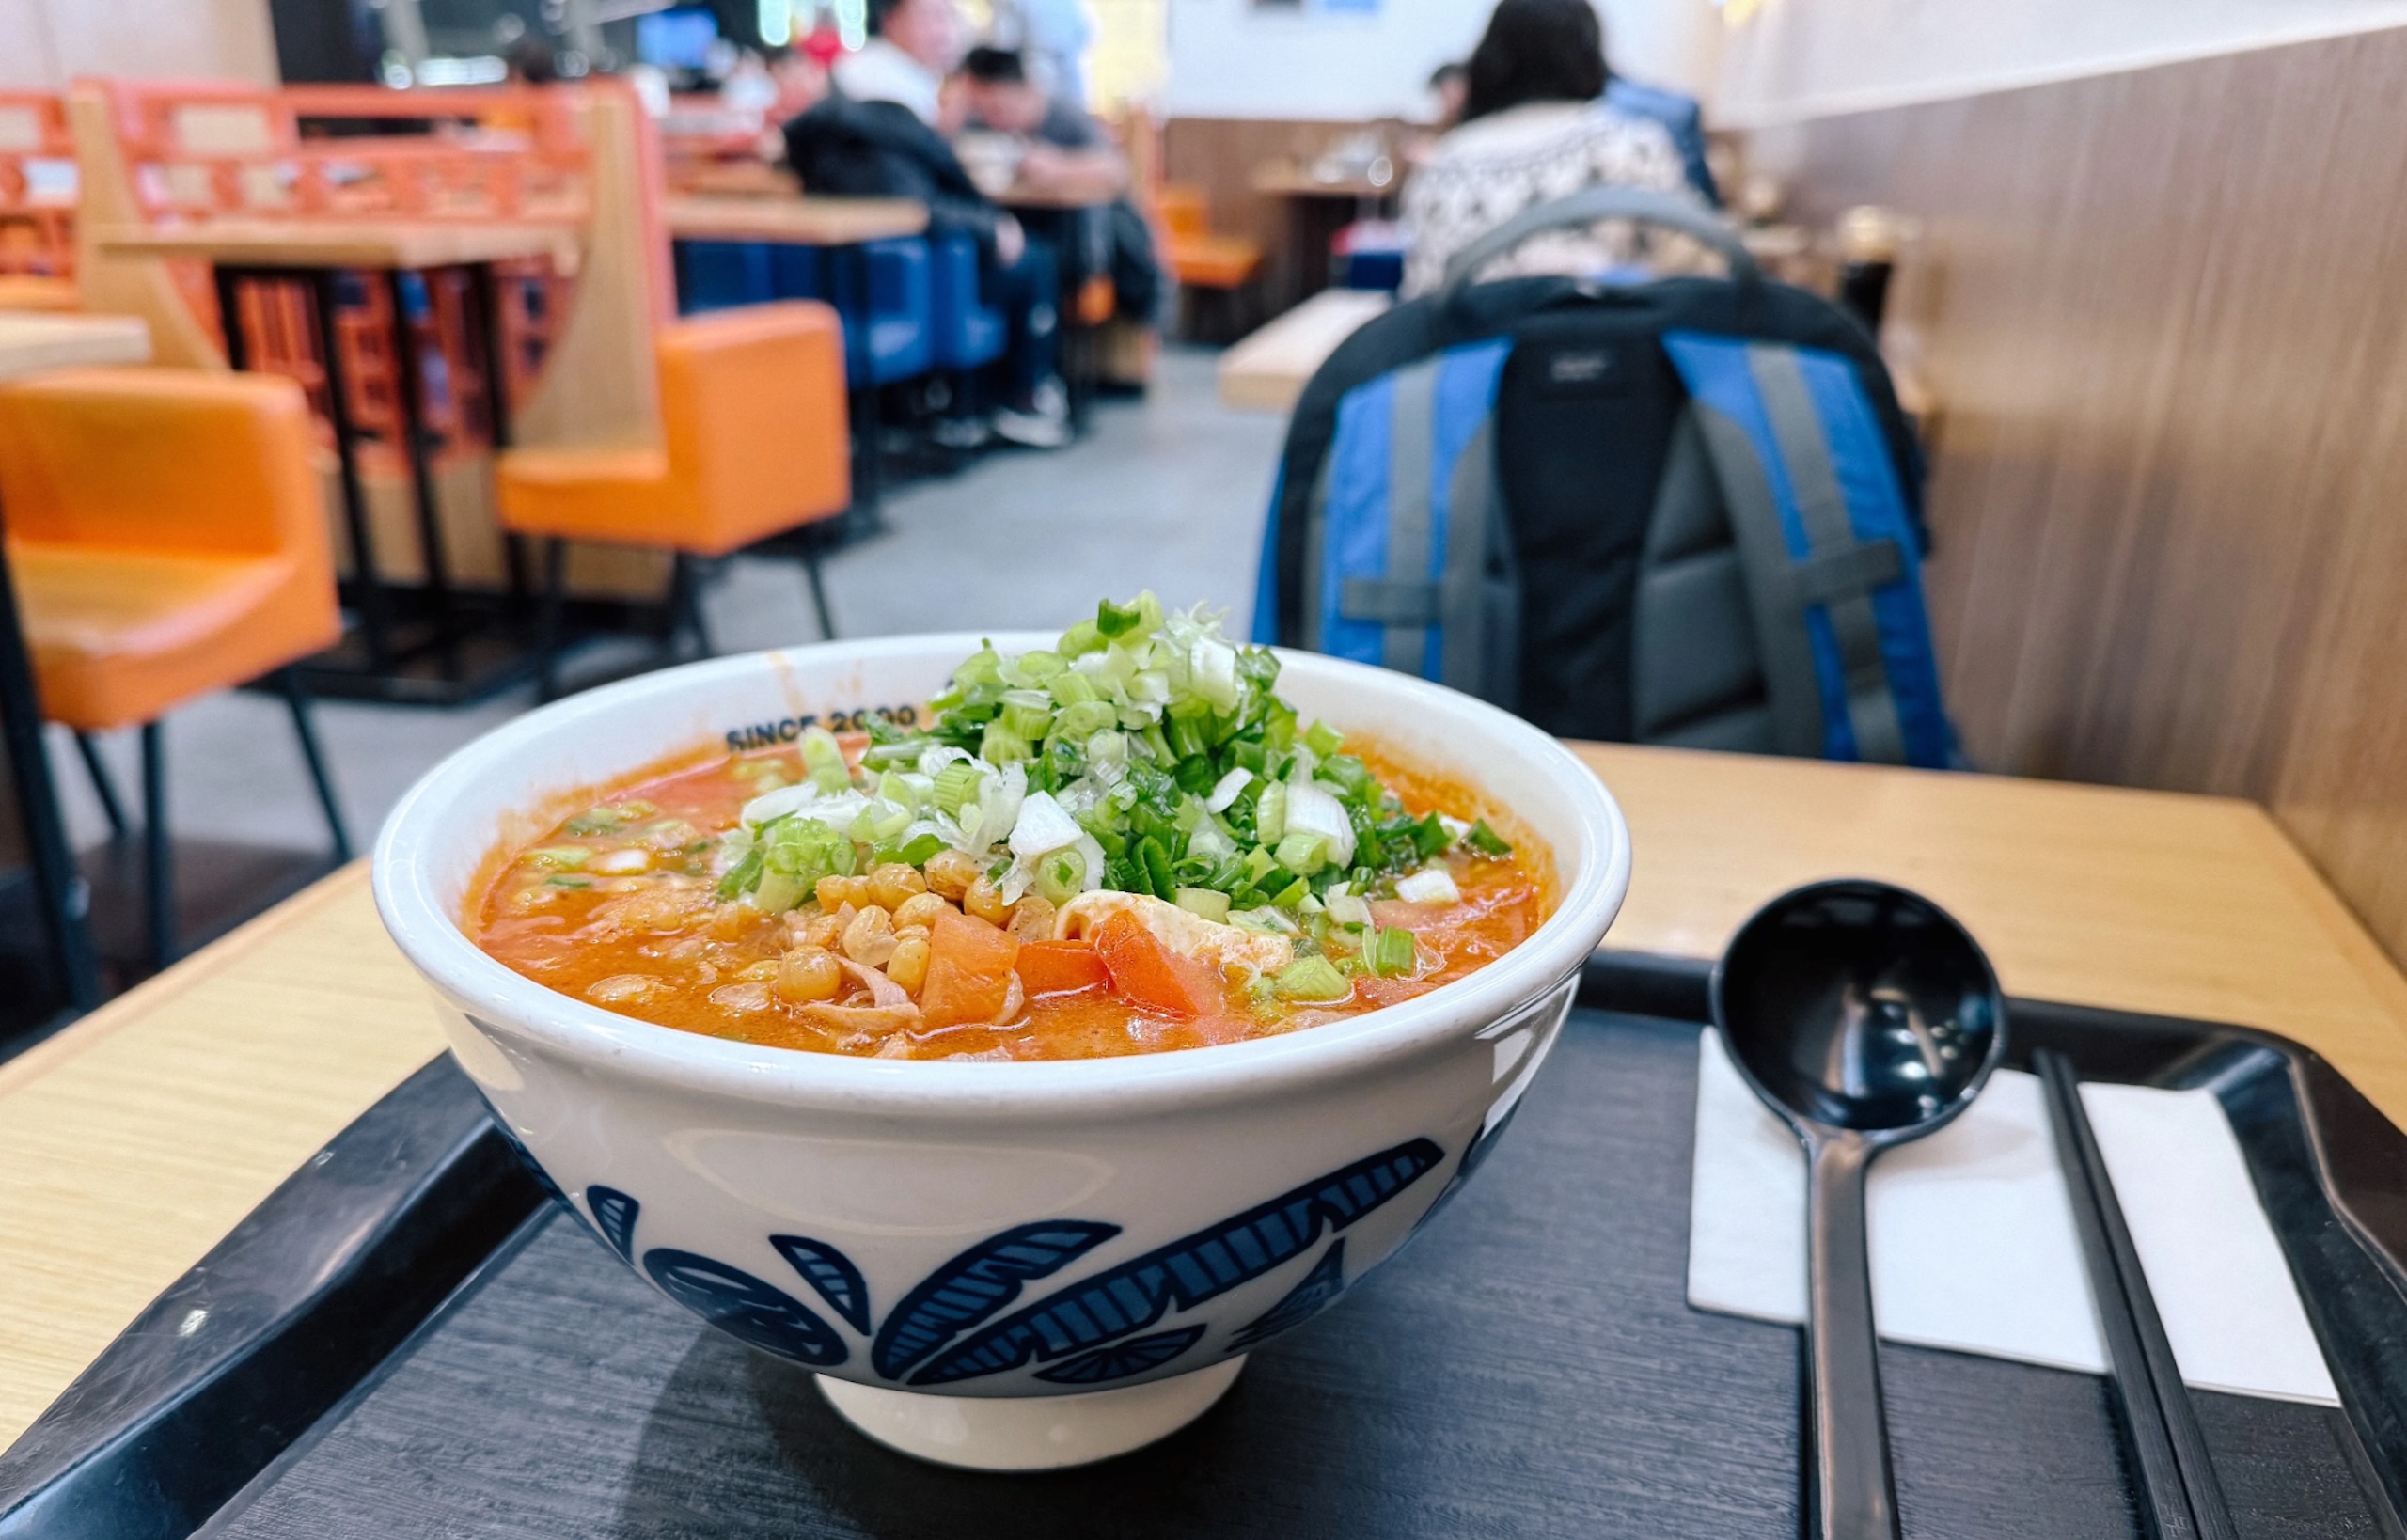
1972, 1232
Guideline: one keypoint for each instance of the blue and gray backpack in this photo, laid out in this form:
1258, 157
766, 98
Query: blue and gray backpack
1686, 511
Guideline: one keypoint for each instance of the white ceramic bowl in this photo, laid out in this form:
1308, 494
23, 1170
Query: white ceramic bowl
948, 1243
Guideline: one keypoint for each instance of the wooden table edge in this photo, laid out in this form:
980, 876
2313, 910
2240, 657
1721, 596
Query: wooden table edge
88, 1032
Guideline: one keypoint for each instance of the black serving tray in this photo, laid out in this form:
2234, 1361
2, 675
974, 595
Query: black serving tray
407, 1340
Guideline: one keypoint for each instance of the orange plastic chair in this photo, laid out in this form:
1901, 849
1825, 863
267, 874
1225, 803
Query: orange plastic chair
1200, 259
754, 443
168, 538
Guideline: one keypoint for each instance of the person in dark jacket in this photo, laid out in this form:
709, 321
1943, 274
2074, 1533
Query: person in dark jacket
876, 136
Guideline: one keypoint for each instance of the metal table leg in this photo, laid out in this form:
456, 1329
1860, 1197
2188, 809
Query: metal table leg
410, 387
375, 620
484, 291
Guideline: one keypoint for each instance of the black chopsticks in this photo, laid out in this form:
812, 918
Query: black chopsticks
2182, 1497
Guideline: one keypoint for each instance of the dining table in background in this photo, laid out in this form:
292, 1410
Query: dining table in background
29, 345
427, 668
1312, 209
258, 1049
792, 219
1268, 369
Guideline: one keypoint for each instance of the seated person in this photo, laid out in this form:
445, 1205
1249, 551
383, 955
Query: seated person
1535, 129
1066, 154
1681, 118
1448, 84
875, 135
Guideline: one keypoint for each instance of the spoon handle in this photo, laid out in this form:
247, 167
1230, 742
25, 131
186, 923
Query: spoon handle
1849, 1494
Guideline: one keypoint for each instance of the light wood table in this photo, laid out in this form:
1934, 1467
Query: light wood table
406, 244
797, 221
133, 1142
732, 179
32, 343
1269, 368
1286, 179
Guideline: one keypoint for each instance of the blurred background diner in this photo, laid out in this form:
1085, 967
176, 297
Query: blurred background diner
378, 368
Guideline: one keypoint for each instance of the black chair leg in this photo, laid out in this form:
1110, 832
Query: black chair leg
818, 595
686, 607
102, 786
159, 877
549, 622
305, 726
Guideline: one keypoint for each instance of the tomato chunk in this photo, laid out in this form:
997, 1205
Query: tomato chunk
1059, 968
1148, 974
969, 970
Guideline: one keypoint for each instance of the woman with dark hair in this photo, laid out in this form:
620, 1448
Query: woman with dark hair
1536, 128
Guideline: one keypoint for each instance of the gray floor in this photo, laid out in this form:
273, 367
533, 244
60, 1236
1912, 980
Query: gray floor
1166, 494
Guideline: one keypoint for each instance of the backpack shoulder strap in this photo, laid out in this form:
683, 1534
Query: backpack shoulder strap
1828, 547
1404, 518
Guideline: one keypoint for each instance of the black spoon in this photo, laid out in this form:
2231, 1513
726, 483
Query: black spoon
1866, 1018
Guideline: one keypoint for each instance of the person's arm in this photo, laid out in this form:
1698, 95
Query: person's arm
1073, 158
1082, 176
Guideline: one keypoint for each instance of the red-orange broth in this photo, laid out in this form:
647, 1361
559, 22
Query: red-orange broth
653, 941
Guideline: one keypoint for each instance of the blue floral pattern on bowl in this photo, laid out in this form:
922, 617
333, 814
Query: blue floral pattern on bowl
1089, 1332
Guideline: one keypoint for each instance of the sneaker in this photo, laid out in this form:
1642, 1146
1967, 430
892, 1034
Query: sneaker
960, 433
1042, 424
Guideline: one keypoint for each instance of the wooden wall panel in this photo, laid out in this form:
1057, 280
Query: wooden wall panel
2165, 317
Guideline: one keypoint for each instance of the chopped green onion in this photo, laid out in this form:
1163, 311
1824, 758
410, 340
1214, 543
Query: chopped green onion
1304, 853
569, 882
565, 857
1313, 981
1002, 746
1324, 740
1156, 861
822, 760
1391, 953
1084, 720
592, 821
957, 785
1028, 712
1037, 668
1293, 894
917, 853
1270, 813
1486, 841
1071, 688
1080, 639
1059, 876
1208, 902
778, 892
744, 875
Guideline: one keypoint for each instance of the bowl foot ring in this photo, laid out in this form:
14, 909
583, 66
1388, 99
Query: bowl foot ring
1029, 1433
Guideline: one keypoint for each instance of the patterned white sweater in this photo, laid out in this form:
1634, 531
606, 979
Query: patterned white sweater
1492, 168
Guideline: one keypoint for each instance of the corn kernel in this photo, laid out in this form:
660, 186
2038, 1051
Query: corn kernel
835, 893
806, 974
919, 909
908, 965
894, 882
986, 901
868, 940
1032, 918
951, 872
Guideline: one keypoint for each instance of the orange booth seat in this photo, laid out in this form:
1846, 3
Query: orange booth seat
167, 540
753, 444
